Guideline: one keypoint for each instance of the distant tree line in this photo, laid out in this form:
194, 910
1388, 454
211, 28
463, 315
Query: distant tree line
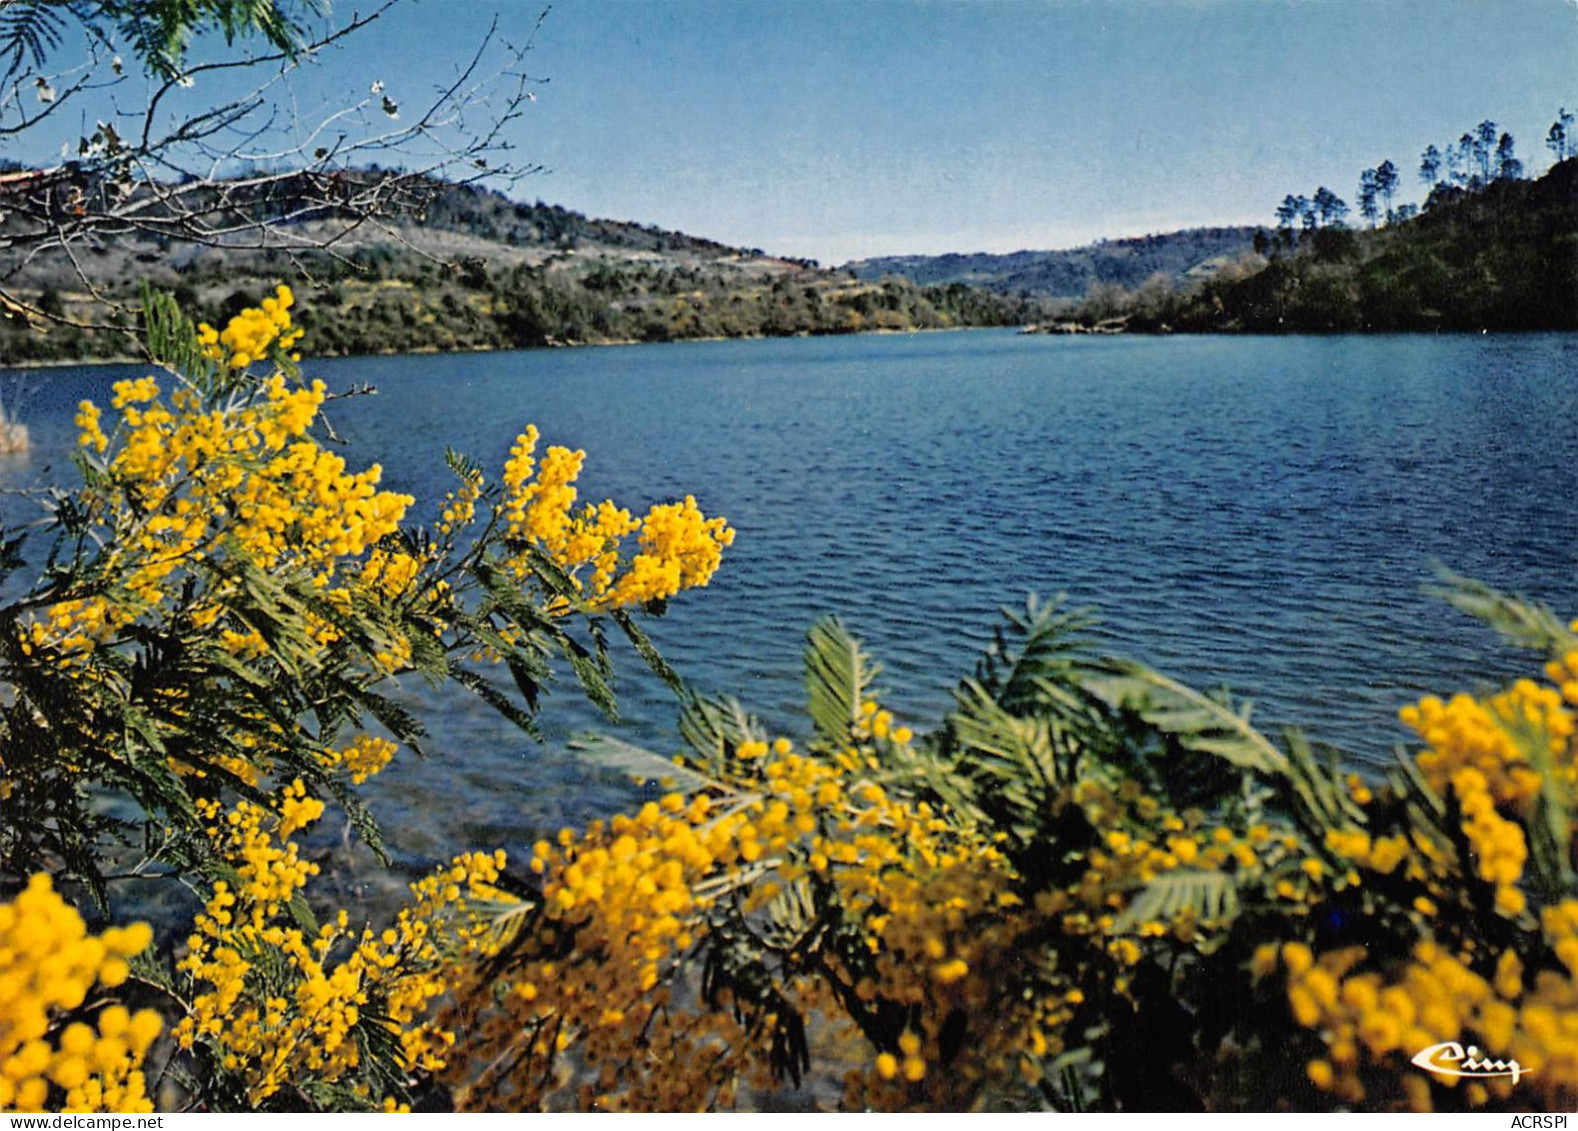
1480, 157
1495, 255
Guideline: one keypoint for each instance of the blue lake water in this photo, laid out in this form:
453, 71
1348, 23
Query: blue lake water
1255, 512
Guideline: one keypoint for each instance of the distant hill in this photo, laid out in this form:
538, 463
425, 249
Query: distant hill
1500, 257
1181, 257
473, 269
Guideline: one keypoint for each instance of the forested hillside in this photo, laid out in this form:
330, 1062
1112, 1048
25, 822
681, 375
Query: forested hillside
472, 269
1179, 257
1497, 256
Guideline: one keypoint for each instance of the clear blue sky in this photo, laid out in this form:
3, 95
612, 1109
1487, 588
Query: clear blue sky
858, 127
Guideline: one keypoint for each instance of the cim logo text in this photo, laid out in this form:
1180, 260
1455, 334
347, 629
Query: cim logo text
1450, 1059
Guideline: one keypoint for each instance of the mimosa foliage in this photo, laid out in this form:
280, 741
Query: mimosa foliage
1089, 887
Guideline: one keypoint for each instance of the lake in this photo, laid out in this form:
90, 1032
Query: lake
1260, 513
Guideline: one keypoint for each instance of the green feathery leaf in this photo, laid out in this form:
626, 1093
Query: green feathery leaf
1323, 801
838, 678
29, 31
1196, 721
1520, 621
1032, 665
714, 728
610, 753
647, 650
171, 339
1209, 896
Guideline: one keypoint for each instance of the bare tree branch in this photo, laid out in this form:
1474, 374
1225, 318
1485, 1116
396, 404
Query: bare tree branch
250, 172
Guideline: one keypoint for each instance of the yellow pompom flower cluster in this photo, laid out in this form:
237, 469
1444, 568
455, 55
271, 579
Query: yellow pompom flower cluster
1145, 839
929, 918
48, 966
1373, 1027
1498, 844
460, 505
364, 757
622, 903
221, 550
1563, 675
185, 483
1506, 738
679, 547
253, 334
1417, 861
305, 502
1382, 854
945, 943
440, 927
924, 912
280, 1006
1495, 757
90, 432
214, 478
932, 924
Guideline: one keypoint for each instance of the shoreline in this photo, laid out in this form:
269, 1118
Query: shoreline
95, 362
1027, 330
